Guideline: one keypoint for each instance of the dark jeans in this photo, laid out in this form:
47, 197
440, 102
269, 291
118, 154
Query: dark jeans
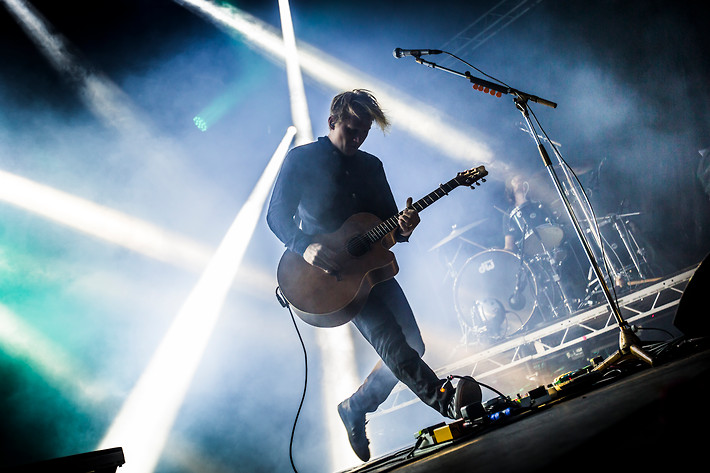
388, 324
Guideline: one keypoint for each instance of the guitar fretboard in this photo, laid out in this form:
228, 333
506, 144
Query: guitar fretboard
379, 232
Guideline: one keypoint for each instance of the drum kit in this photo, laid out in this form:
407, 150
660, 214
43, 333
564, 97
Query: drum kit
499, 293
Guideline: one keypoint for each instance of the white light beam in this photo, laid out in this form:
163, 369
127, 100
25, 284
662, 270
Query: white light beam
103, 222
297, 92
101, 96
144, 422
423, 122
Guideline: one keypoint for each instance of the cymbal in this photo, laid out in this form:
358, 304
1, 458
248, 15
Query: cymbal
456, 232
608, 218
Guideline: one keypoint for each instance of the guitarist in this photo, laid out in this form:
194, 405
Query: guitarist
320, 185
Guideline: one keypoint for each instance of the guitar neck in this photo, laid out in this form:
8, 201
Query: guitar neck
379, 232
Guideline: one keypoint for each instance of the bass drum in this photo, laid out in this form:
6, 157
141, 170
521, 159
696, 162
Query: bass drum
485, 295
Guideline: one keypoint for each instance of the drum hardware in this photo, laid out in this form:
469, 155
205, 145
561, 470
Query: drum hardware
450, 262
644, 281
540, 242
537, 228
601, 221
473, 243
557, 303
483, 291
565, 300
496, 293
488, 316
625, 260
456, 232
517, 299
632, 247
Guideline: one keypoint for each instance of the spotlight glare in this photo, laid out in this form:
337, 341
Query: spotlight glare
144, 422
101, 96
102, 222
423, 122
297, 93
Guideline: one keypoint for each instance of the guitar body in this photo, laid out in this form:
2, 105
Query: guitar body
329, 300
362, 246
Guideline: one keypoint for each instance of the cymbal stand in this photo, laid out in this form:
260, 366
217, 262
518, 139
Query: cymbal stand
628, 341
549, 265
631, 246
515, 301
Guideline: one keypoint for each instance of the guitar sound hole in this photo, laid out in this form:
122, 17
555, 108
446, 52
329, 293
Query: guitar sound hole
358, 246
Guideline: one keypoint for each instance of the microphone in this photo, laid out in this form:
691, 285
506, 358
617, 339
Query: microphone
517, 299
399, 52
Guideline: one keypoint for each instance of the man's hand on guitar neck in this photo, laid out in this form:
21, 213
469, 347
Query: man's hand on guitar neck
408, 220
318, 255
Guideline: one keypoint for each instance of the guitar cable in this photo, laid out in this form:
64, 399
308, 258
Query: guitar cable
284, 303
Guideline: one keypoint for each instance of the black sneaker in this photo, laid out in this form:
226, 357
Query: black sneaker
355, 425
467, 392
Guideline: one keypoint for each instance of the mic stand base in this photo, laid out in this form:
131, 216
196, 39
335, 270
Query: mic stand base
628, 348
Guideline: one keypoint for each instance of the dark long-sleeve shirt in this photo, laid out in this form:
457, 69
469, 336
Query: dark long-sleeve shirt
318, 188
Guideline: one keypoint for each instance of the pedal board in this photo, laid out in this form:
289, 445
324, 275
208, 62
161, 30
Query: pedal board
476, 417
440, 433
499, 410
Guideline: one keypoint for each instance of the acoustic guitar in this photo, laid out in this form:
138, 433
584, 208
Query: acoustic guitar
362, 243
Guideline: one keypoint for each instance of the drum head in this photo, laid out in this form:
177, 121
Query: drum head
486, 297
543, 237
539, 234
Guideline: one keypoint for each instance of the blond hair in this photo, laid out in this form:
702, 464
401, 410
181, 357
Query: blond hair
359, 104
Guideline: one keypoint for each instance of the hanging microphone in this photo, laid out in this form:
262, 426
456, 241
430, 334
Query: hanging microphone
399, 52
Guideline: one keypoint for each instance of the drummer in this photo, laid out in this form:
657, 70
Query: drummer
529, 227
516, 191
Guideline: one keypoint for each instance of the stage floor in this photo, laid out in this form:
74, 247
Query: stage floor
647, 419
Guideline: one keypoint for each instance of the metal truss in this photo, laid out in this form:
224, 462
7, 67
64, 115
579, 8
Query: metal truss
552, 339
488, 25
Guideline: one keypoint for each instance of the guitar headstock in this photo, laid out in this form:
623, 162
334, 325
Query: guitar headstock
471, 177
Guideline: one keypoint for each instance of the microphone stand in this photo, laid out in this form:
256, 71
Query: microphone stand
629, 343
